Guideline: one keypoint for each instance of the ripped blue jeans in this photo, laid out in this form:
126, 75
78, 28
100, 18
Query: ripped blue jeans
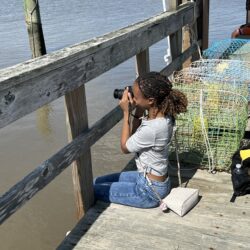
130, 188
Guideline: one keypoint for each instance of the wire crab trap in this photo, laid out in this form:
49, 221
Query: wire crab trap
212, 128
232, 72
235, 49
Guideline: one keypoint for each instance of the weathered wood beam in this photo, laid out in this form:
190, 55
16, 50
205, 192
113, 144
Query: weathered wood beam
34, 83
24, 190
205, 24
77, 121
142, 62
175, 38
176, 64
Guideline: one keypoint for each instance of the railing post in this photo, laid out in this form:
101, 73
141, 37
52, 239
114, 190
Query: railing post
142, 62
191, 36
203, 23
77, 119
176, 38
186, 43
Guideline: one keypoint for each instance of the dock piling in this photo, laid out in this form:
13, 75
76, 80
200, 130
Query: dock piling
34, 26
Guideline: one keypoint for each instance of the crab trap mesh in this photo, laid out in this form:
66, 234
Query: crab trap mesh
232, 72
234, 49
212, 128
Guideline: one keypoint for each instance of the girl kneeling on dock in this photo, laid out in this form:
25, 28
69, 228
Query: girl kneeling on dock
149, 139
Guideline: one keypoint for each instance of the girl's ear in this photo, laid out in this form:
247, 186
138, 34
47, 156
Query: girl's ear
151, 101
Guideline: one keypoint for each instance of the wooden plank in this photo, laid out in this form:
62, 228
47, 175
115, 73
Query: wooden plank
203, 23
117, 226
177, 63
197, 10
176, 44
212, 224
34, 83
24, 190
198, 54
205, 216
77, 123
186, 42
175, 38
142, 62
194, 32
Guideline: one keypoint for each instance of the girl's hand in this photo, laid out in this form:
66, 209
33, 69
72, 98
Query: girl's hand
126, 103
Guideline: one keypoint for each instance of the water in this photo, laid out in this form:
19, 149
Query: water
43, 221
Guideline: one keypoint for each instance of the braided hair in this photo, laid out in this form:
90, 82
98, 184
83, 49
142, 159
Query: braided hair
155, 85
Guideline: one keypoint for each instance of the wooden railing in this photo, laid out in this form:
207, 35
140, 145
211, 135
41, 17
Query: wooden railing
28, 86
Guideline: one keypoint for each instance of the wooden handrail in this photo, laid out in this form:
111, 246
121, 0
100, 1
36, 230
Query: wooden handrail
34, 83
176, 64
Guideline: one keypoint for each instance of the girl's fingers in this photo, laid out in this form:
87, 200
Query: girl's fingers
130, 98
125, 94
124, 102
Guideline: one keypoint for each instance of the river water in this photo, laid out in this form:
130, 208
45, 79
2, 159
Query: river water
43, 221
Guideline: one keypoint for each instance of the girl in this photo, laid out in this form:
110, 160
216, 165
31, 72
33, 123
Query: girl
149, 139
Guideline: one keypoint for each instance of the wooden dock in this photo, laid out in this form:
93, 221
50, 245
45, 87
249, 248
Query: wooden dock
215, 222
